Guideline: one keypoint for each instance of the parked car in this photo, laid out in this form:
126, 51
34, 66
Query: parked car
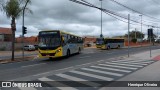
157, 41
29, 47
36, 47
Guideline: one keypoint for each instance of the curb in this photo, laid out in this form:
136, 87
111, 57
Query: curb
6, 61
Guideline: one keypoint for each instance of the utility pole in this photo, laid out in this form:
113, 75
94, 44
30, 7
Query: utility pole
128, 32
135, 34
101, 36
157, 33
141, 30
23, 28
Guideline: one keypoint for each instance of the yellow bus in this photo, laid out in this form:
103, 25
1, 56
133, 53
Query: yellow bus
108, 43
56, 43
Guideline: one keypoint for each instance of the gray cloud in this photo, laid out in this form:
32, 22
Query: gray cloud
78, 19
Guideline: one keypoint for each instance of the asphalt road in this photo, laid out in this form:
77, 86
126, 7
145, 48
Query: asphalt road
91, 65
29, 70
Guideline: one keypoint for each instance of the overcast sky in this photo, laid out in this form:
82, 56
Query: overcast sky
82, 20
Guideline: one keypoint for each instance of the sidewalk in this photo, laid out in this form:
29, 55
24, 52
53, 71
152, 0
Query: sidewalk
9, 53
5, 56
148, 73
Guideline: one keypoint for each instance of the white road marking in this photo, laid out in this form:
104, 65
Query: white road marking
103, 72
58, 84
85, 57
135, 61
124, 64
117, 66
113, 69
129, 60
93, 75
132, 63
109, 53
32, 65
53, 71
27, 88
78, 79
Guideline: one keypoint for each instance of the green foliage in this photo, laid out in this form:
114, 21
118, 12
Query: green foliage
133, 33
14, 8
2, 48
134, 40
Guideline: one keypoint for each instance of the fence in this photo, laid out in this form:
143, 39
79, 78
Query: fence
7, 46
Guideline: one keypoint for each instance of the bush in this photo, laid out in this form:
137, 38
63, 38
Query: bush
2, 48
134, 40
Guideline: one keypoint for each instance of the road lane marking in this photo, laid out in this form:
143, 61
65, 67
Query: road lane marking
135, 61
53, 71
27, 88
124, 64
92, 75
129, 60
64, 87
132, 63
117, 66
113, 69
110, 53
32, 65
103, 72
85, 57
78, 79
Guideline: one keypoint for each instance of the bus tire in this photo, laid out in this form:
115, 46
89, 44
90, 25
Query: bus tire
50, 58
79, 50
118, 46
108, 47
68, 53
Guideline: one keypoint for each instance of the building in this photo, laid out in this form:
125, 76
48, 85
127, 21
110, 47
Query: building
89, 40
5, 34
29, 40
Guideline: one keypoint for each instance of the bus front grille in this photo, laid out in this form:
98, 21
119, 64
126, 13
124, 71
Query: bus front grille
48, 54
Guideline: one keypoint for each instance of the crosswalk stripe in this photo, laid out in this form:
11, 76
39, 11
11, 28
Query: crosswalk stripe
132, 63
27, 88
118, 66
78, 79
92, 75
103, 72
145, 62
129, 60
138, 61
124, 64
113, 69
58, 84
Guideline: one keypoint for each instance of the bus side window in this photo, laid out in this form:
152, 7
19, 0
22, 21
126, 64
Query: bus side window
69, 39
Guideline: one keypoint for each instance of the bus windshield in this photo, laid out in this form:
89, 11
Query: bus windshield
99, 41
49, 39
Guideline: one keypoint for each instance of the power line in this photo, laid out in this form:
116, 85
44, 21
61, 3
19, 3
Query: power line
111, 13
133, 10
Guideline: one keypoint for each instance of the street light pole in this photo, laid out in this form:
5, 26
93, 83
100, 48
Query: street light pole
23, 28
128, 33
135, 34
101, 20
141, 30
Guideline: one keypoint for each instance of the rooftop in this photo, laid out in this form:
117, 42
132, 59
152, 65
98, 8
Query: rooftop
5, 30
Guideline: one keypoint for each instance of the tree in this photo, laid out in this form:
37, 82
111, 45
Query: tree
13, 9
134, 34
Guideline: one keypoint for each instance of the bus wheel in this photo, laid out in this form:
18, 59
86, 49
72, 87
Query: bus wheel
108, 48
118, 46
79, 50
50, 58
68, 53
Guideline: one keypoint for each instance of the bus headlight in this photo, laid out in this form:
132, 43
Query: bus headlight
58, 50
